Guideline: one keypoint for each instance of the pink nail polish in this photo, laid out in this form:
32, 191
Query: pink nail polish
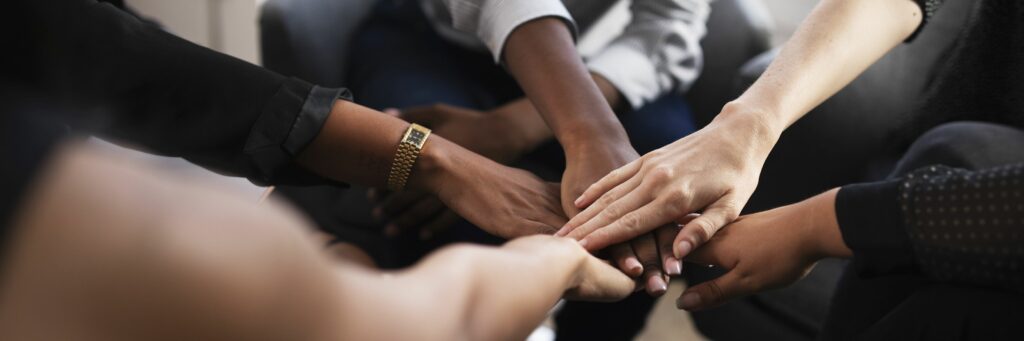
673, 267
656, 286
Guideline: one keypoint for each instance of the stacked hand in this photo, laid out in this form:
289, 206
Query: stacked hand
767, 250
713, 171
503, 135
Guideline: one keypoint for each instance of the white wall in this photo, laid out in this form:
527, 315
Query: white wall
228, 26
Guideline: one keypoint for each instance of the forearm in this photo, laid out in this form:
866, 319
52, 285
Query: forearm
358, 145
468, 292
542, 57
836, 43
523, 119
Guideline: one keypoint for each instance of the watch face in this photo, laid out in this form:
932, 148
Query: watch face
416, 137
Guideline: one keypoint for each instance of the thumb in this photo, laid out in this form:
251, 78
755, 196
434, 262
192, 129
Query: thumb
703, 227
712, 293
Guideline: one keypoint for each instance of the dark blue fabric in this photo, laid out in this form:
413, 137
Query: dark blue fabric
399, 61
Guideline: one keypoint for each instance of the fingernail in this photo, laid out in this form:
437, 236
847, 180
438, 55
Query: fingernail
656, 286
634, 266
584, 242
561, 232
688, 301
673, 267
377, 212
684, 248
390, 230
578, 202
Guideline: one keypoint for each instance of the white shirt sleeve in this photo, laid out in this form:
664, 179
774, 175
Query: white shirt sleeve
658, 52
493, 20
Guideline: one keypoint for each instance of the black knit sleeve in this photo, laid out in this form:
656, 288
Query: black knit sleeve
961, 226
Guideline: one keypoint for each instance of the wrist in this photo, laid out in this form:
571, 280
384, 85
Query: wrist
821, 227
756, 124
433, 164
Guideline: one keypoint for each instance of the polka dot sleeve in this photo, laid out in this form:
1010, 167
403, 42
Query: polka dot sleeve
949, 224
967, 226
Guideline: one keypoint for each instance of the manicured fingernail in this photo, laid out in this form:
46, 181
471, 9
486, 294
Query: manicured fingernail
673, 267
390, 230
688, 301
377, 212
684, 249
578, 202
656, 286
633, 266
561, 232
583, 243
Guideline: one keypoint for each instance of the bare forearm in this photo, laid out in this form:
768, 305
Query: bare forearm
468, 292
834, 45
523, 119
358, 145
542, 57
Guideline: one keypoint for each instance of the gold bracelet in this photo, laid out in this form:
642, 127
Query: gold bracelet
408, 150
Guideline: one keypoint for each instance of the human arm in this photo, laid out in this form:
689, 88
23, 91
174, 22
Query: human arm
715, 170
950, 225
187, 254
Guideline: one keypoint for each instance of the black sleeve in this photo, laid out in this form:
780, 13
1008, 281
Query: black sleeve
948, 224
928, 9
164, 94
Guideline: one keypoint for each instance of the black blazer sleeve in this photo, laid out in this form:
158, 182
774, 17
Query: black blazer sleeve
162, 93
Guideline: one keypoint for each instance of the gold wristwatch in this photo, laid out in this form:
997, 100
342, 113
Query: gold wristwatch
408, 150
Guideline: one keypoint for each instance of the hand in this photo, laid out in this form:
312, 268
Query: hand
643, 256
410, 211
503, 201
767, 250
502, 135
714, 171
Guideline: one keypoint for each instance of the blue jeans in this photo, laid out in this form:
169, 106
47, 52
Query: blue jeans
399, 61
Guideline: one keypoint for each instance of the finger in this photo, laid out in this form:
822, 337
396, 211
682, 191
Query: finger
630, 225
439, 224
418, 214
392, 111
599, 206
603, 216
646, 250
702, 228
614, 178
666, 236
715, 292
626, 260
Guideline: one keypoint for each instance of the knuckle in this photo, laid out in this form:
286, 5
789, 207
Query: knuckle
661, 174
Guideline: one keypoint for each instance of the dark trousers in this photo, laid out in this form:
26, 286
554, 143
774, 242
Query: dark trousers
913, 307
401, 62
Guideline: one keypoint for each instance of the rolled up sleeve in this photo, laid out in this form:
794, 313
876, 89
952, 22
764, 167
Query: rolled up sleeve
492, 21
658, 52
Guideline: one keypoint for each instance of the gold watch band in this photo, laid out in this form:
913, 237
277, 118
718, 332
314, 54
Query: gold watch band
408, 150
